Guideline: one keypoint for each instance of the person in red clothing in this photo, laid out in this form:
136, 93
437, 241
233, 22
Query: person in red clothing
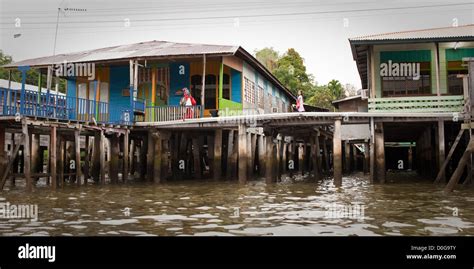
188, 101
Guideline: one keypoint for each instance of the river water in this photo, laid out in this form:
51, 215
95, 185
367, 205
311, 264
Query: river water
301, 208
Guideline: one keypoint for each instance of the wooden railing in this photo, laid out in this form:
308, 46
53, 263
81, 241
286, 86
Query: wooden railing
448, 103
61, 107
170, 113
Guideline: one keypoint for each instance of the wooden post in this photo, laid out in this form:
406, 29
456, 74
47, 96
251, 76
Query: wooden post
102, 157
217, 160
300, 150
157, 157
261, 155
96, 157
27, 157
243, 153
277, 163
453, 181
354, 158
61, 164
253, 148
164, 155
372, 150
77, 145
450, 154
313, 156
203, 85
126, 160
196, 157
9, 165
366, 158
347, 157
319, 164
35, 148
149, 156
337, 153
52, 157
131, 157
326, 155
86, 160
380, 153
441, 149
114, 158
410, 157
230, 150
269, 158
3, 155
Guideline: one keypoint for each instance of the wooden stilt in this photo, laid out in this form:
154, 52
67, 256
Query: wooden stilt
61, 150
86, 160
243, 153
114, 158
277, 162
337, 153
3, 154
439, 177
410, 158
126, 159
131, 159
196, 158
157, 165
217, 160
347, 157
164, 156
35, 146
77, 146
53, 158
300, 150
102, 157
441, 149
269, 158
380, 153
10, 163
27, 157
230, 150
453, 181
326, 156
149, 156
372, 150
366, 158
354, 158
96, 153
253, 153
261, 155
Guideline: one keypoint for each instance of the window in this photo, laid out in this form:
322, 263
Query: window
260, 97
210, 92
455, 84
196, 85
226, 87
249, 91
404, 86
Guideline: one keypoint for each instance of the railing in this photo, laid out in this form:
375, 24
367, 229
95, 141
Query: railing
451, 103
170, 113
60, 107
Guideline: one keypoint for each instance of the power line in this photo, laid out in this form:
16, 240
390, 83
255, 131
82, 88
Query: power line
257, 15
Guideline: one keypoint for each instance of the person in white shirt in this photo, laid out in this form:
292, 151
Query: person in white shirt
300, 102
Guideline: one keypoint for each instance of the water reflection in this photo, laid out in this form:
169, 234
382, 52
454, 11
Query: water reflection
229, 209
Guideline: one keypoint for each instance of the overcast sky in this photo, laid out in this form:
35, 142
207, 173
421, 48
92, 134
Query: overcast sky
317, 29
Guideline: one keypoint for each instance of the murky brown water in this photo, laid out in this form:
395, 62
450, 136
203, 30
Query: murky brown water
227, 208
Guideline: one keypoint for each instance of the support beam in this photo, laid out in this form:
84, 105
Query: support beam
196, 157
347, 157
326, 156
380, 153
366, 158
243, 153
261, 155
157, 157
77, 146
3, 154
337, 153
96, 157
35, 150
126, 160
217, 160
61, 151
269, 158
453, 181
53, 158
149, 156
253, 153
448, 158
372, 150
230, 149
114, 158
10, 164
26, 157
86, 160
102, 157
441, 149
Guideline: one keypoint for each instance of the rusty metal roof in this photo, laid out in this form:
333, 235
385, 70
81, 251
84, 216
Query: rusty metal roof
433, 33
150, 49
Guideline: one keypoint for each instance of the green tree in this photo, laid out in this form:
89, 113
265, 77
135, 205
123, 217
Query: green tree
291, 71
32, 76
336, 89
268, 57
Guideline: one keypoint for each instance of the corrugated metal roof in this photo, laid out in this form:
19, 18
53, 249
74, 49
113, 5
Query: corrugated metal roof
138, 50
433, 33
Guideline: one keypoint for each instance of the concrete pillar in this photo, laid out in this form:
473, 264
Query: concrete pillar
441, 148
269, 158
261, 155
337, 152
